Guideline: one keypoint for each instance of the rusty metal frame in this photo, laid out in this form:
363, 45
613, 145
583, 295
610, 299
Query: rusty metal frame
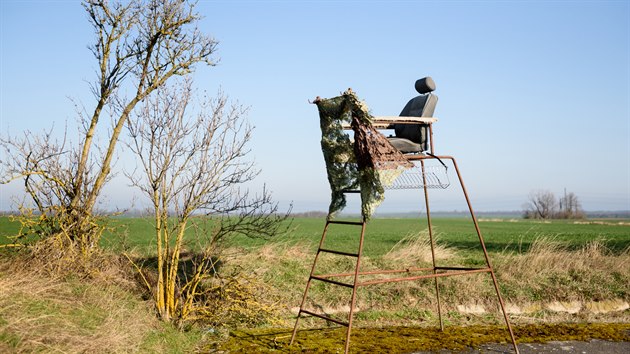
435, 271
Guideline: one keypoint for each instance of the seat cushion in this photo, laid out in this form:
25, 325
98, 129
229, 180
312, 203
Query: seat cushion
405, 146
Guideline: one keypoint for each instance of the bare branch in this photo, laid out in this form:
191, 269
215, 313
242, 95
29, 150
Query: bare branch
193, 162
138, 45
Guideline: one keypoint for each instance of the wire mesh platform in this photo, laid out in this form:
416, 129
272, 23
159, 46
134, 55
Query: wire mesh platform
415, 178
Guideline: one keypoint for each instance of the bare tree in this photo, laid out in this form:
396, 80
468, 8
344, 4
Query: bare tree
139, 45
569, 207
193, 162
541, 205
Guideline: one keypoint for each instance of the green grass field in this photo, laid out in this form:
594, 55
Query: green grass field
383, 233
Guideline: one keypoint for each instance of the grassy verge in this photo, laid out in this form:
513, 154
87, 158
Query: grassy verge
549, 273
40, 313
531, 282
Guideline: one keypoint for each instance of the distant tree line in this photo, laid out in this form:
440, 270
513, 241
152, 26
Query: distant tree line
310, 214
543, 204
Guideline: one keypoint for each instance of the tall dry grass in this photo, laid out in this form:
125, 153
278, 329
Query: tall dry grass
44, 309
552, 271
549, 271
40, 312
286, 266
415, 250
282, 266
547, 256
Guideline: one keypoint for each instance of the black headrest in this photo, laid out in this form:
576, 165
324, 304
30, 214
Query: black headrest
425, 85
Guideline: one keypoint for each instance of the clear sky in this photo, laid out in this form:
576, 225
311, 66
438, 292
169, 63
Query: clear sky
533, 94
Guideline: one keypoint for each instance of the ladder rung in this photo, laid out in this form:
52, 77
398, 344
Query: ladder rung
426, 276
324, 317
460, 268
339, 252
345, 222
332, 281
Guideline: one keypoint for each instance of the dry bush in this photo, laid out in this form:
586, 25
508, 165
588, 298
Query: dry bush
41, 312
210, 293
234, 301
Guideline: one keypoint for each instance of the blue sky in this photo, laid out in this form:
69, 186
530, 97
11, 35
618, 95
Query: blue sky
533, 94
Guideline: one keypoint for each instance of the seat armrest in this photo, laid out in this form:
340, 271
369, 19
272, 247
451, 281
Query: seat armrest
387, 122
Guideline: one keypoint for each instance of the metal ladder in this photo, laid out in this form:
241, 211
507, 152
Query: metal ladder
327, 278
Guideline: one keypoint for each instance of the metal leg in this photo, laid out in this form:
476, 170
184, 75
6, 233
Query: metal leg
426, 201
354, 287
485, 253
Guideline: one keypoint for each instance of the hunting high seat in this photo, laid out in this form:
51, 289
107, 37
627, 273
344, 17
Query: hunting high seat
368, 165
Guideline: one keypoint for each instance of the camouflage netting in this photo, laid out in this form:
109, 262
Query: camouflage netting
369, 164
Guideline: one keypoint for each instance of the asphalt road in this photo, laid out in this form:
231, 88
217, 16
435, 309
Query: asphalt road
570, 347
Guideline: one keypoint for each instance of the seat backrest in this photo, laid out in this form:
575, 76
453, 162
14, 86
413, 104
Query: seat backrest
420, 106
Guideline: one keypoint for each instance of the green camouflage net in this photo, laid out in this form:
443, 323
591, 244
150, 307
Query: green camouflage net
370, 164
